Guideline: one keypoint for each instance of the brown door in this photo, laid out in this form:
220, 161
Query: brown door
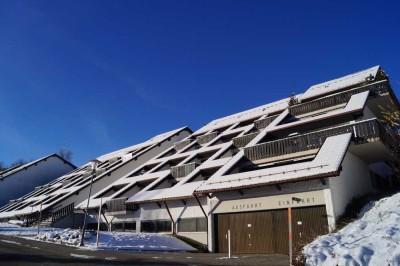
222, 225
307, 224
281, 232
253, 232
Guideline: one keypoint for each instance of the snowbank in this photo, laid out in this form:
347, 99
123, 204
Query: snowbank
374, 239
107, 240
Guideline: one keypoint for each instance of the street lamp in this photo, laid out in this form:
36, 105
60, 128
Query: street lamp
94, 162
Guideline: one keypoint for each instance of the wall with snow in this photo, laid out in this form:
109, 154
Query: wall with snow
74, 220
121, 171
353, 181
22, 182
130, 166
151, 211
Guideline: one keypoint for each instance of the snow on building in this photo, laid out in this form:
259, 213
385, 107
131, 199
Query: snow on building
19, 180
54, 202
304, 157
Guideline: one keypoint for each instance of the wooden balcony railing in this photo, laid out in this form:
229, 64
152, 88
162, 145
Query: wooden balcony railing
181, 144
337, 99
263, 123
182, 170
61, 213
206, 138
242, 141
363, 132
33, 218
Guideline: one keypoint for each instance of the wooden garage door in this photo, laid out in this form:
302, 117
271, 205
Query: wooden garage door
307, 224
267, 231
253, 232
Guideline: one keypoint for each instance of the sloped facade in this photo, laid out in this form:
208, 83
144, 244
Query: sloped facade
54, 202
300, 159
274, 176
17, 181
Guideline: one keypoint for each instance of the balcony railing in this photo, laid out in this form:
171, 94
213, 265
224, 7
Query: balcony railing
66, 182
116, 206
206, 138
182, 170
242, 141
181, 144
61, 213
337, 99
363, 132
263, 123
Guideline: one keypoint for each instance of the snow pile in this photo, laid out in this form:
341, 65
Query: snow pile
107, 240
16, 230
374, 239
17, 222
66, 236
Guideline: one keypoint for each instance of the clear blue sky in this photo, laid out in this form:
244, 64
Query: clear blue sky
96, 76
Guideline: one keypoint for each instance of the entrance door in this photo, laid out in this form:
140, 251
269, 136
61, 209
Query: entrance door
307, 224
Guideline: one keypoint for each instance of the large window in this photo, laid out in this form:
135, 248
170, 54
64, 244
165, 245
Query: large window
192, 225
156, 226
124, 226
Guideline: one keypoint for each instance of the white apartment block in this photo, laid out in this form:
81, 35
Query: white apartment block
287, 168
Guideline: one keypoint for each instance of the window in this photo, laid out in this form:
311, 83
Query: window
123, 226
192, 225
156, 226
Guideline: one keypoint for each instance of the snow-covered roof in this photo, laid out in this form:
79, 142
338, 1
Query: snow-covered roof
355, 104
325, 164
154, 140
266, 109
16, 169
340, 83
179, 191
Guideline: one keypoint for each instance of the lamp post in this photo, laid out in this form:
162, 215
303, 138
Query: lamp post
94, 162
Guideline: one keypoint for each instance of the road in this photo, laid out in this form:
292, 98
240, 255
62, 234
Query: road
20, 251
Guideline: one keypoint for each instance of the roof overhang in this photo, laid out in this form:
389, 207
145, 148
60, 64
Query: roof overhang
327, 163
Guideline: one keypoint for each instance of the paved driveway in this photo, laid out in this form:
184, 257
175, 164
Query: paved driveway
19, 251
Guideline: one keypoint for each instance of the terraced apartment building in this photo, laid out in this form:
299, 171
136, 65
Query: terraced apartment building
53, 204
287, 168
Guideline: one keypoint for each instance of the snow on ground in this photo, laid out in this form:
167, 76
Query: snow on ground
373, 239
107, 240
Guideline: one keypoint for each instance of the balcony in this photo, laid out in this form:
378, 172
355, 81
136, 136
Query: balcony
206, 138
242, 141
263, 123
183, 170
116, 206
363, 132
181, 144
338, 99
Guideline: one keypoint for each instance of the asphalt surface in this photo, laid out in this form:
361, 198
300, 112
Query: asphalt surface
20, 251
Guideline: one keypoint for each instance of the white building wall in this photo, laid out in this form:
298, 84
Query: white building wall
128, 167
353, 181
151, 211
109, 178
22, 182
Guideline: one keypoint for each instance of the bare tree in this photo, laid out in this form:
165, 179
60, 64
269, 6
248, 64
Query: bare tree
2, 166
391, 118
66, 154
18, 162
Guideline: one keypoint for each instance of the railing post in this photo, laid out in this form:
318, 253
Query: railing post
229, 244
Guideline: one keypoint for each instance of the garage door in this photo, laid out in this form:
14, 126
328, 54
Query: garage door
253, 232
267, 231
307, 224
